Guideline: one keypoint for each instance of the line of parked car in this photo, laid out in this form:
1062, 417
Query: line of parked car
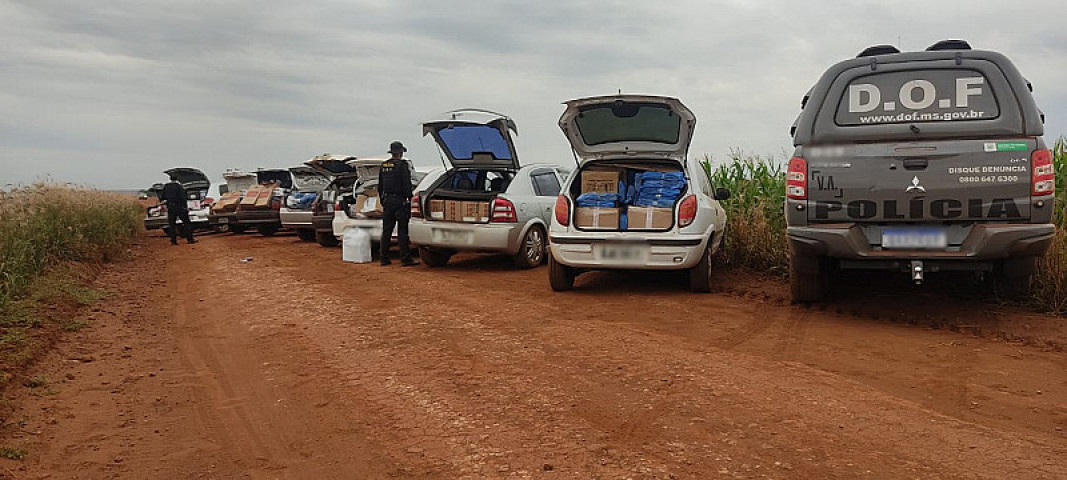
915, 162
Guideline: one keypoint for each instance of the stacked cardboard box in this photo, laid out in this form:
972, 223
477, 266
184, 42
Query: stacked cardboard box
368, 203
437, 209
597, 218
649, 218
459, 211
601, 180
475, 212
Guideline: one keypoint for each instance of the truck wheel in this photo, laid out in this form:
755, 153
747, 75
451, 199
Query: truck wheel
238, 229
1011, 277
700, 275
306, 235
808, 278
267, 230
560, 277
326, 239
532, 249
434, 258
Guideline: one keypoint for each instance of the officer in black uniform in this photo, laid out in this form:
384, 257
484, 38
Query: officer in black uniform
174, 196
394, 188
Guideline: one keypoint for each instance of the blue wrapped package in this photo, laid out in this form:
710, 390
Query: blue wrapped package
594, 199
658, 189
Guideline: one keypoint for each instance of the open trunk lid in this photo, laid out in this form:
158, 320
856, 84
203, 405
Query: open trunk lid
628, 125
475, 138
280, 176
933, 182
308, 179
190, 178
331, 165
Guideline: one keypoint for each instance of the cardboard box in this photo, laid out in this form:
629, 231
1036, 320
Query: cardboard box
369, 204
601, 180
598, 218
475, 212
437, 209
453, 210
649, 218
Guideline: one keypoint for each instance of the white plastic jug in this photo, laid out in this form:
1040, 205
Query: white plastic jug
355, 245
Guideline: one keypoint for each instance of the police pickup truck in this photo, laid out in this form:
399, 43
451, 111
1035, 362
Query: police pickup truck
919, 162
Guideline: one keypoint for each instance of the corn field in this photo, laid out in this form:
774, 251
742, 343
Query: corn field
1050, 282
45, 224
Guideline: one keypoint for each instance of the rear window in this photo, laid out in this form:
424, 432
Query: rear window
917, 96
628, 122
463, 141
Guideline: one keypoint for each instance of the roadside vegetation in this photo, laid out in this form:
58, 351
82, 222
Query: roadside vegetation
52, 240
756, 229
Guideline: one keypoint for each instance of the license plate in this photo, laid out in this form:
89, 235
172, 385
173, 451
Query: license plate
914, 238
193, 204
454, 237
621, 253
224, 220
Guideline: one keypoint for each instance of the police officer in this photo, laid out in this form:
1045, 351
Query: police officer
394, 188
174, 196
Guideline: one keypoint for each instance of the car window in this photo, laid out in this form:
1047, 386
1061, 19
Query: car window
546, 184
706, 181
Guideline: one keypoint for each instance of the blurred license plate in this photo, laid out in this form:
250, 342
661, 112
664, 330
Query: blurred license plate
914, 238
621, 253
224, 220
192, 204
454, 237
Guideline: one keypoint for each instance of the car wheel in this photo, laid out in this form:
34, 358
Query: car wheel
306, 235
267, 230
808, 278
700, 275
238, 229
221, 228
1011, 277
560, 277
434, 258
326, 239
532, 250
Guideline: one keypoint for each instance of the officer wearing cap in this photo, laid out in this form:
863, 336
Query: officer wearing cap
174, 196
395, 189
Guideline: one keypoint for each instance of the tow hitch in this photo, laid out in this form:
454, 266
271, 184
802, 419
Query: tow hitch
917, 271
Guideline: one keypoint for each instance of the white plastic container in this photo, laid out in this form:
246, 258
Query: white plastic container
356, 246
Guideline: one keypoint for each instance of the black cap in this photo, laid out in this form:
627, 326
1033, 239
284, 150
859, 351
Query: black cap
397, 147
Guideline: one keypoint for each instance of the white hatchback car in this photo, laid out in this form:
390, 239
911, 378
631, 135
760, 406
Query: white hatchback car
636, 202
345, 215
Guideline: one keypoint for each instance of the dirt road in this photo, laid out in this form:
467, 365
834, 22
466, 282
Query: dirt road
296, 365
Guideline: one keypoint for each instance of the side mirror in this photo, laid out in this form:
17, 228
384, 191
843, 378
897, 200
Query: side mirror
722, 194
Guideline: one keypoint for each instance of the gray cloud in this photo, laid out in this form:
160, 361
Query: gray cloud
111, 94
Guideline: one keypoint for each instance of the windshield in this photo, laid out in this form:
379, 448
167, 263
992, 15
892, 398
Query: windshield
628, 122
463, 141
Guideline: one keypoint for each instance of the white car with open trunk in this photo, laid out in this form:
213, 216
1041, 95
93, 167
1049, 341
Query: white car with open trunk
360, 207
636, 201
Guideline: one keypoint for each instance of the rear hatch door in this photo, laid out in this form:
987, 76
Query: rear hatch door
331, 165
190, 178
475, 138
931, 182
628, 125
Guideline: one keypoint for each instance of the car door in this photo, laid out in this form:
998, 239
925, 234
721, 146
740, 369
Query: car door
546, 183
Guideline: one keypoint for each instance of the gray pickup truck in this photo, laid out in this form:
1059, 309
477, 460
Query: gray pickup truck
919, 162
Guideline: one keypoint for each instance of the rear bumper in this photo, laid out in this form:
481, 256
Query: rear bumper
985, 242
373, 226
678, 252
198, 218
296, 219
155, 223
482, 237
258, 217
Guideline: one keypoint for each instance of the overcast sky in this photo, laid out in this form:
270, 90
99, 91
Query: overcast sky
110, 93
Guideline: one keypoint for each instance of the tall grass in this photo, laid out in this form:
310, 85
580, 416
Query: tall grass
756, 224
1050, 281
45, 224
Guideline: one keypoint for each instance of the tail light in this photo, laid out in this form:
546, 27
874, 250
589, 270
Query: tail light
1044, 174
563, 210
504, 211
687, 211
796, 179
208, 201
336, 206
276, 203
416, 207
